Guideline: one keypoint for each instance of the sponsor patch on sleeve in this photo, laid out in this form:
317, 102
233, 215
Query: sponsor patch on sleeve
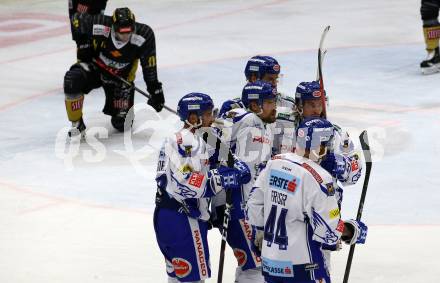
196, 179
313, 172
340, 227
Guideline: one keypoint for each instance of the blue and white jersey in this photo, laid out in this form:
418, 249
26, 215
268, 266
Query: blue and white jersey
183, 171
251, 141
293, 200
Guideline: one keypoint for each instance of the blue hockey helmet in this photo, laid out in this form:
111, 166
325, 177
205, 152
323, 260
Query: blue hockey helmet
313, 133
271, 66
307, 91
228, 105
255, 66
258, 91
194, 102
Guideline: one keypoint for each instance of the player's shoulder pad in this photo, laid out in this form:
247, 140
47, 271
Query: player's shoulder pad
142, 34
322, 177
242, 117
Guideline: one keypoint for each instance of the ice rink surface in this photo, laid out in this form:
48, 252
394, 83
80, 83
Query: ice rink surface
84, 213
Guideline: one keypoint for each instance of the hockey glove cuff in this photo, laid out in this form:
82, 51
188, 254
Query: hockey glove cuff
157, 99
357, 230
230, 177
243, 169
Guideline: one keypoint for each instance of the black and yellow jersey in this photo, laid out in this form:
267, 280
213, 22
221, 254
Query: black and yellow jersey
122, 58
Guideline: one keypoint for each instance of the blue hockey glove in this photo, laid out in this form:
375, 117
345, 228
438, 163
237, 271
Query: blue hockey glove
337, 165
356, 234
229, 177
243, 169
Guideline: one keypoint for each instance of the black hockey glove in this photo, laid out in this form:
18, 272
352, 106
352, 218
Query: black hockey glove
157, 99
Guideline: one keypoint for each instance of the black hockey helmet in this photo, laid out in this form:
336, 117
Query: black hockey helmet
123, 20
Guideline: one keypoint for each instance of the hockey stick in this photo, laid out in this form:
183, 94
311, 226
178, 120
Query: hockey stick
226, 217
225, 225
321, 54
367, 154
121, 79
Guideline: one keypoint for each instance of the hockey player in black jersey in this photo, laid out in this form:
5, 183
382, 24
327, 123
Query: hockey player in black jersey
109, 47
92, 7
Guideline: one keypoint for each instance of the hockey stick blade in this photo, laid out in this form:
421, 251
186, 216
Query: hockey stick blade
367, 155
321, 54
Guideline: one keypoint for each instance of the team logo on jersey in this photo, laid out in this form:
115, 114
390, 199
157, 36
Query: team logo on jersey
330, 189
241, 256
283, 181
196, 179
322, 230
182, 267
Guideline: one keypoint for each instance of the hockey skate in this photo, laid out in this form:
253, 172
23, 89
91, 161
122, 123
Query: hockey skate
432, 63
78, 129
119, 121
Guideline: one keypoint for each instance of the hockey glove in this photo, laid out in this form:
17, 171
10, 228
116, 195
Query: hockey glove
257, 240
156, 99
230, 177
337, 165
243, 169
355, 232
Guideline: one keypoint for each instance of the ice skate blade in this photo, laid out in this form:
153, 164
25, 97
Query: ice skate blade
431, 70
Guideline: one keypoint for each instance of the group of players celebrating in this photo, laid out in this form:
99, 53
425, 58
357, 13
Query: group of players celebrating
110, 48
284, 182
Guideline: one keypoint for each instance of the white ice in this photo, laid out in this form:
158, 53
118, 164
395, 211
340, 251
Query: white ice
84, 214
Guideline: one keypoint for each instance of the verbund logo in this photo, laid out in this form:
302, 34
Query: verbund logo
23, 28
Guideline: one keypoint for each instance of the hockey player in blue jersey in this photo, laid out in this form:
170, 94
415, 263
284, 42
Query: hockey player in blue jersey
308, 100
253, 71
343, 161
294, 211
267, 69
186, 182
251, 141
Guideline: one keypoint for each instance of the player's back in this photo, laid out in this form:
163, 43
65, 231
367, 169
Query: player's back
300, 212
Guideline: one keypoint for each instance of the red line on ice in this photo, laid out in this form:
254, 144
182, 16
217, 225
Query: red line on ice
25, 99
